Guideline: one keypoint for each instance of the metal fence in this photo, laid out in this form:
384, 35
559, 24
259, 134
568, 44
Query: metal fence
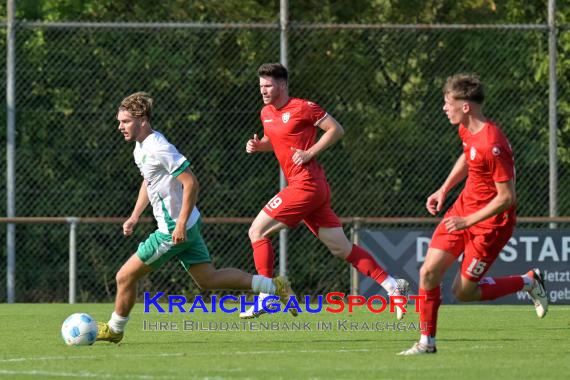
382, 83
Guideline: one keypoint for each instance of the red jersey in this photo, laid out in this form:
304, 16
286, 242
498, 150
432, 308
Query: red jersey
294, 125
489, 159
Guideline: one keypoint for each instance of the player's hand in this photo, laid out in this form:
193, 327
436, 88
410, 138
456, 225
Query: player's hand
435, 202
252, 144
301, 156
129, 225
179, 234
455, 223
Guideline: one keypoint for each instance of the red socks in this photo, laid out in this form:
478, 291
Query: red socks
428, 311
491, 288
263, 256
495, 287
365, 264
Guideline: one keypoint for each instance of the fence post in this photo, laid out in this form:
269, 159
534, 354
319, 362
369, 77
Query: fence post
72, 258
552, 117
355, 237
11, 150
284, 26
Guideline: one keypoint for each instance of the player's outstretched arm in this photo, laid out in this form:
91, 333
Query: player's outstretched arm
140, 205
256, 145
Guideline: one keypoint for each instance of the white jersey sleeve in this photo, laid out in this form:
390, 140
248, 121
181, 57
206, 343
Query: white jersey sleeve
169, 157
160, 163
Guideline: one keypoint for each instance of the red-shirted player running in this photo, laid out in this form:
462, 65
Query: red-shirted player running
290, 130
482, 219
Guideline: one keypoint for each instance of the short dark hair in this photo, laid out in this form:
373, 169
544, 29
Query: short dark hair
273, 70
465, 87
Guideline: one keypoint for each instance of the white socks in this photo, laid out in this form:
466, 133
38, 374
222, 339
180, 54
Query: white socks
427, 340
389, 284
528, 282
117, 323
262, 284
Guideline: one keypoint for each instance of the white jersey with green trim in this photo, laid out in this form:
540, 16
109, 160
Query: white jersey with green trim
160, 163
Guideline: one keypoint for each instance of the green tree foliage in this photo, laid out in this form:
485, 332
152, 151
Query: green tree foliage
382, 84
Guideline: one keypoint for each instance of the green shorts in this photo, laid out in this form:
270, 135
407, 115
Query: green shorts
158, 249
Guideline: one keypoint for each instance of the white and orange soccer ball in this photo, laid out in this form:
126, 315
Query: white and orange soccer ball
79, 329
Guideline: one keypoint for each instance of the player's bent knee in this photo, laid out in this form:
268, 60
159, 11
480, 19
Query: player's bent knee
337, 247
463, 294
123, 278
427, 274
254, 234
251, 233
201, 283
340, 252
206, 282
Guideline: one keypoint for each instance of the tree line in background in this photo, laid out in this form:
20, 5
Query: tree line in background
383, 85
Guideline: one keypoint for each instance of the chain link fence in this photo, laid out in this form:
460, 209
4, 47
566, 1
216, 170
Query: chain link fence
383, 84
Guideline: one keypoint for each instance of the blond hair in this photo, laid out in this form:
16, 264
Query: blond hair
138, 105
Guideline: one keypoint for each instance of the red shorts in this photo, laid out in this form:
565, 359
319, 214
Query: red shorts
481, 246
307, 202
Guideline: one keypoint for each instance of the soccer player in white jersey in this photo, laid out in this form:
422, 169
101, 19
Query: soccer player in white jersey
172, 189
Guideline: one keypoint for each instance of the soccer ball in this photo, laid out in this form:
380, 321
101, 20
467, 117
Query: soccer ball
79, 329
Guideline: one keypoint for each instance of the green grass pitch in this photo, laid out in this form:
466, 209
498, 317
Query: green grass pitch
474, 342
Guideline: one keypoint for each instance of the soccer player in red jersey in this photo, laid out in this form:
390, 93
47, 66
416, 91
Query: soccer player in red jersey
482, 219
290, 127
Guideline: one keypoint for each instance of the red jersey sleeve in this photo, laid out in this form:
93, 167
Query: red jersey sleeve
499, 158
316, 113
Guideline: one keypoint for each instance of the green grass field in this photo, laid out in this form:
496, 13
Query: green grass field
474, 341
